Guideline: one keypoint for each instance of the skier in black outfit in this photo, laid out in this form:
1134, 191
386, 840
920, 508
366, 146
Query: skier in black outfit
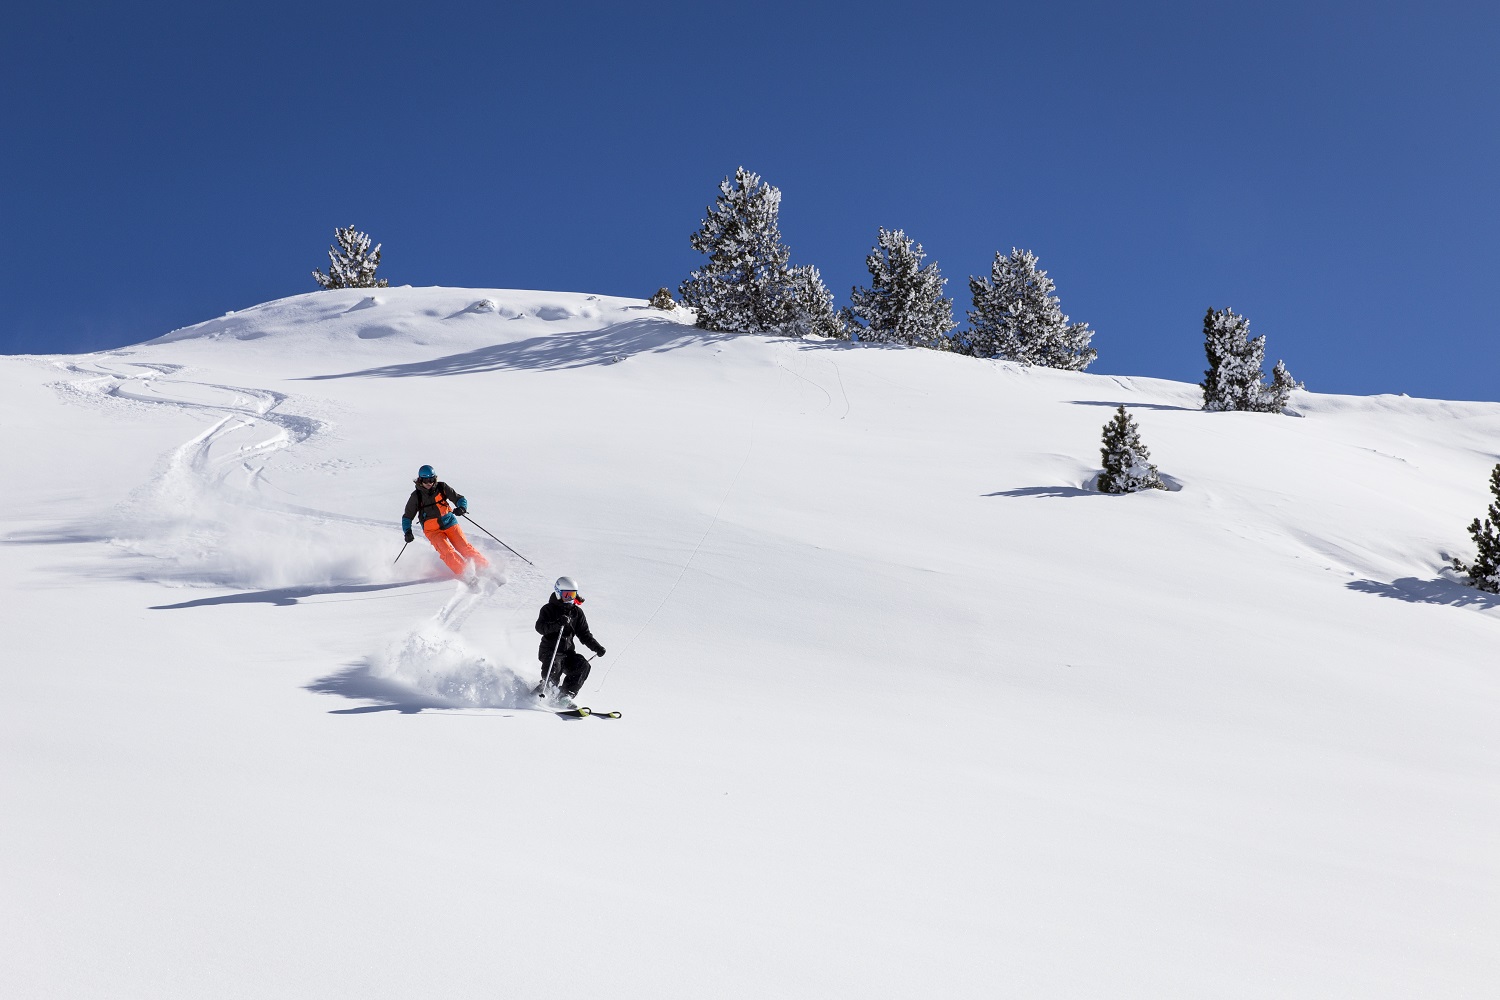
563, 669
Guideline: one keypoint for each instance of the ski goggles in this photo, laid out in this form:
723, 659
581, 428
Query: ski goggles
428, 480
569, 597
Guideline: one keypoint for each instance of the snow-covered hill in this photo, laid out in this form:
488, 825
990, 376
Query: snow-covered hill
909, 710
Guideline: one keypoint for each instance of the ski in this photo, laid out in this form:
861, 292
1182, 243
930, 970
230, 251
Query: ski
575, 712
585, 713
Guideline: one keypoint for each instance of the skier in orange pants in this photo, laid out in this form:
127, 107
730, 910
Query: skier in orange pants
438, 506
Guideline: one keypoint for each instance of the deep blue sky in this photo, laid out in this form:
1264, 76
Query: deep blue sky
1330, 170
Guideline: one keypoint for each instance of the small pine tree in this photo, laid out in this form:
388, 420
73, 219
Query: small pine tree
953, 343
1016, 317
748, 284
1275, 398
1484, 571
663, 299
351, 264
1235, 380
904, 303
1126, 465
808, 307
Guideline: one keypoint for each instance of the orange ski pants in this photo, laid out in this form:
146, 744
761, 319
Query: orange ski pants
452, 547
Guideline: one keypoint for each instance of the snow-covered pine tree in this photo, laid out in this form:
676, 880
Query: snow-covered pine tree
1016, 317
742, 286
904, 303
663, 299
747, 285
1275, 397
1127, 468
351, 263
1484, 571
807, 307
1235, 380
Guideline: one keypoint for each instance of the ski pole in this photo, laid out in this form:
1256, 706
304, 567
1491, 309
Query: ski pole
491, 534
547, 678
400, 554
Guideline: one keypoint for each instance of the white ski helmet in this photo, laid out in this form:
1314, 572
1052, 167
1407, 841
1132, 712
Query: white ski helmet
566, 590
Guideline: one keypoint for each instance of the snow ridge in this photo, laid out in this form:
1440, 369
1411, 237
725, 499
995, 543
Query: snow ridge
900, 685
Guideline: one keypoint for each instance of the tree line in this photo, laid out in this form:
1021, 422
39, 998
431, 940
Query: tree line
749, 285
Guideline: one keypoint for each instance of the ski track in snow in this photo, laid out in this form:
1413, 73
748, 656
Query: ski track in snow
827, 396
248, 431
205, 517
221, 472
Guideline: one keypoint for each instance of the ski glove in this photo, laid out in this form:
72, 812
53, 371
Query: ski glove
599, 651
461, 511
409, 536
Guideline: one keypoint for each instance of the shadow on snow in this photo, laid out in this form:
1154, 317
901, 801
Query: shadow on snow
285, 597
1130, 406
1048, 491
54, 537
1439, 591
1090, 488
553, 352
357, 683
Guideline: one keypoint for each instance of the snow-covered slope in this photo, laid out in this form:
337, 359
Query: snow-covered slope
908, 709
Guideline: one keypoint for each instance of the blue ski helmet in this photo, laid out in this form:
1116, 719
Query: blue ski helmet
425, 472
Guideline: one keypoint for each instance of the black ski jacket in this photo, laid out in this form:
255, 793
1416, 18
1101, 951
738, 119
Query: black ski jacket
567, 620
429, 505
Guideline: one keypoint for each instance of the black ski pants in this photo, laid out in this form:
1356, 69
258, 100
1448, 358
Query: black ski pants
568, 673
